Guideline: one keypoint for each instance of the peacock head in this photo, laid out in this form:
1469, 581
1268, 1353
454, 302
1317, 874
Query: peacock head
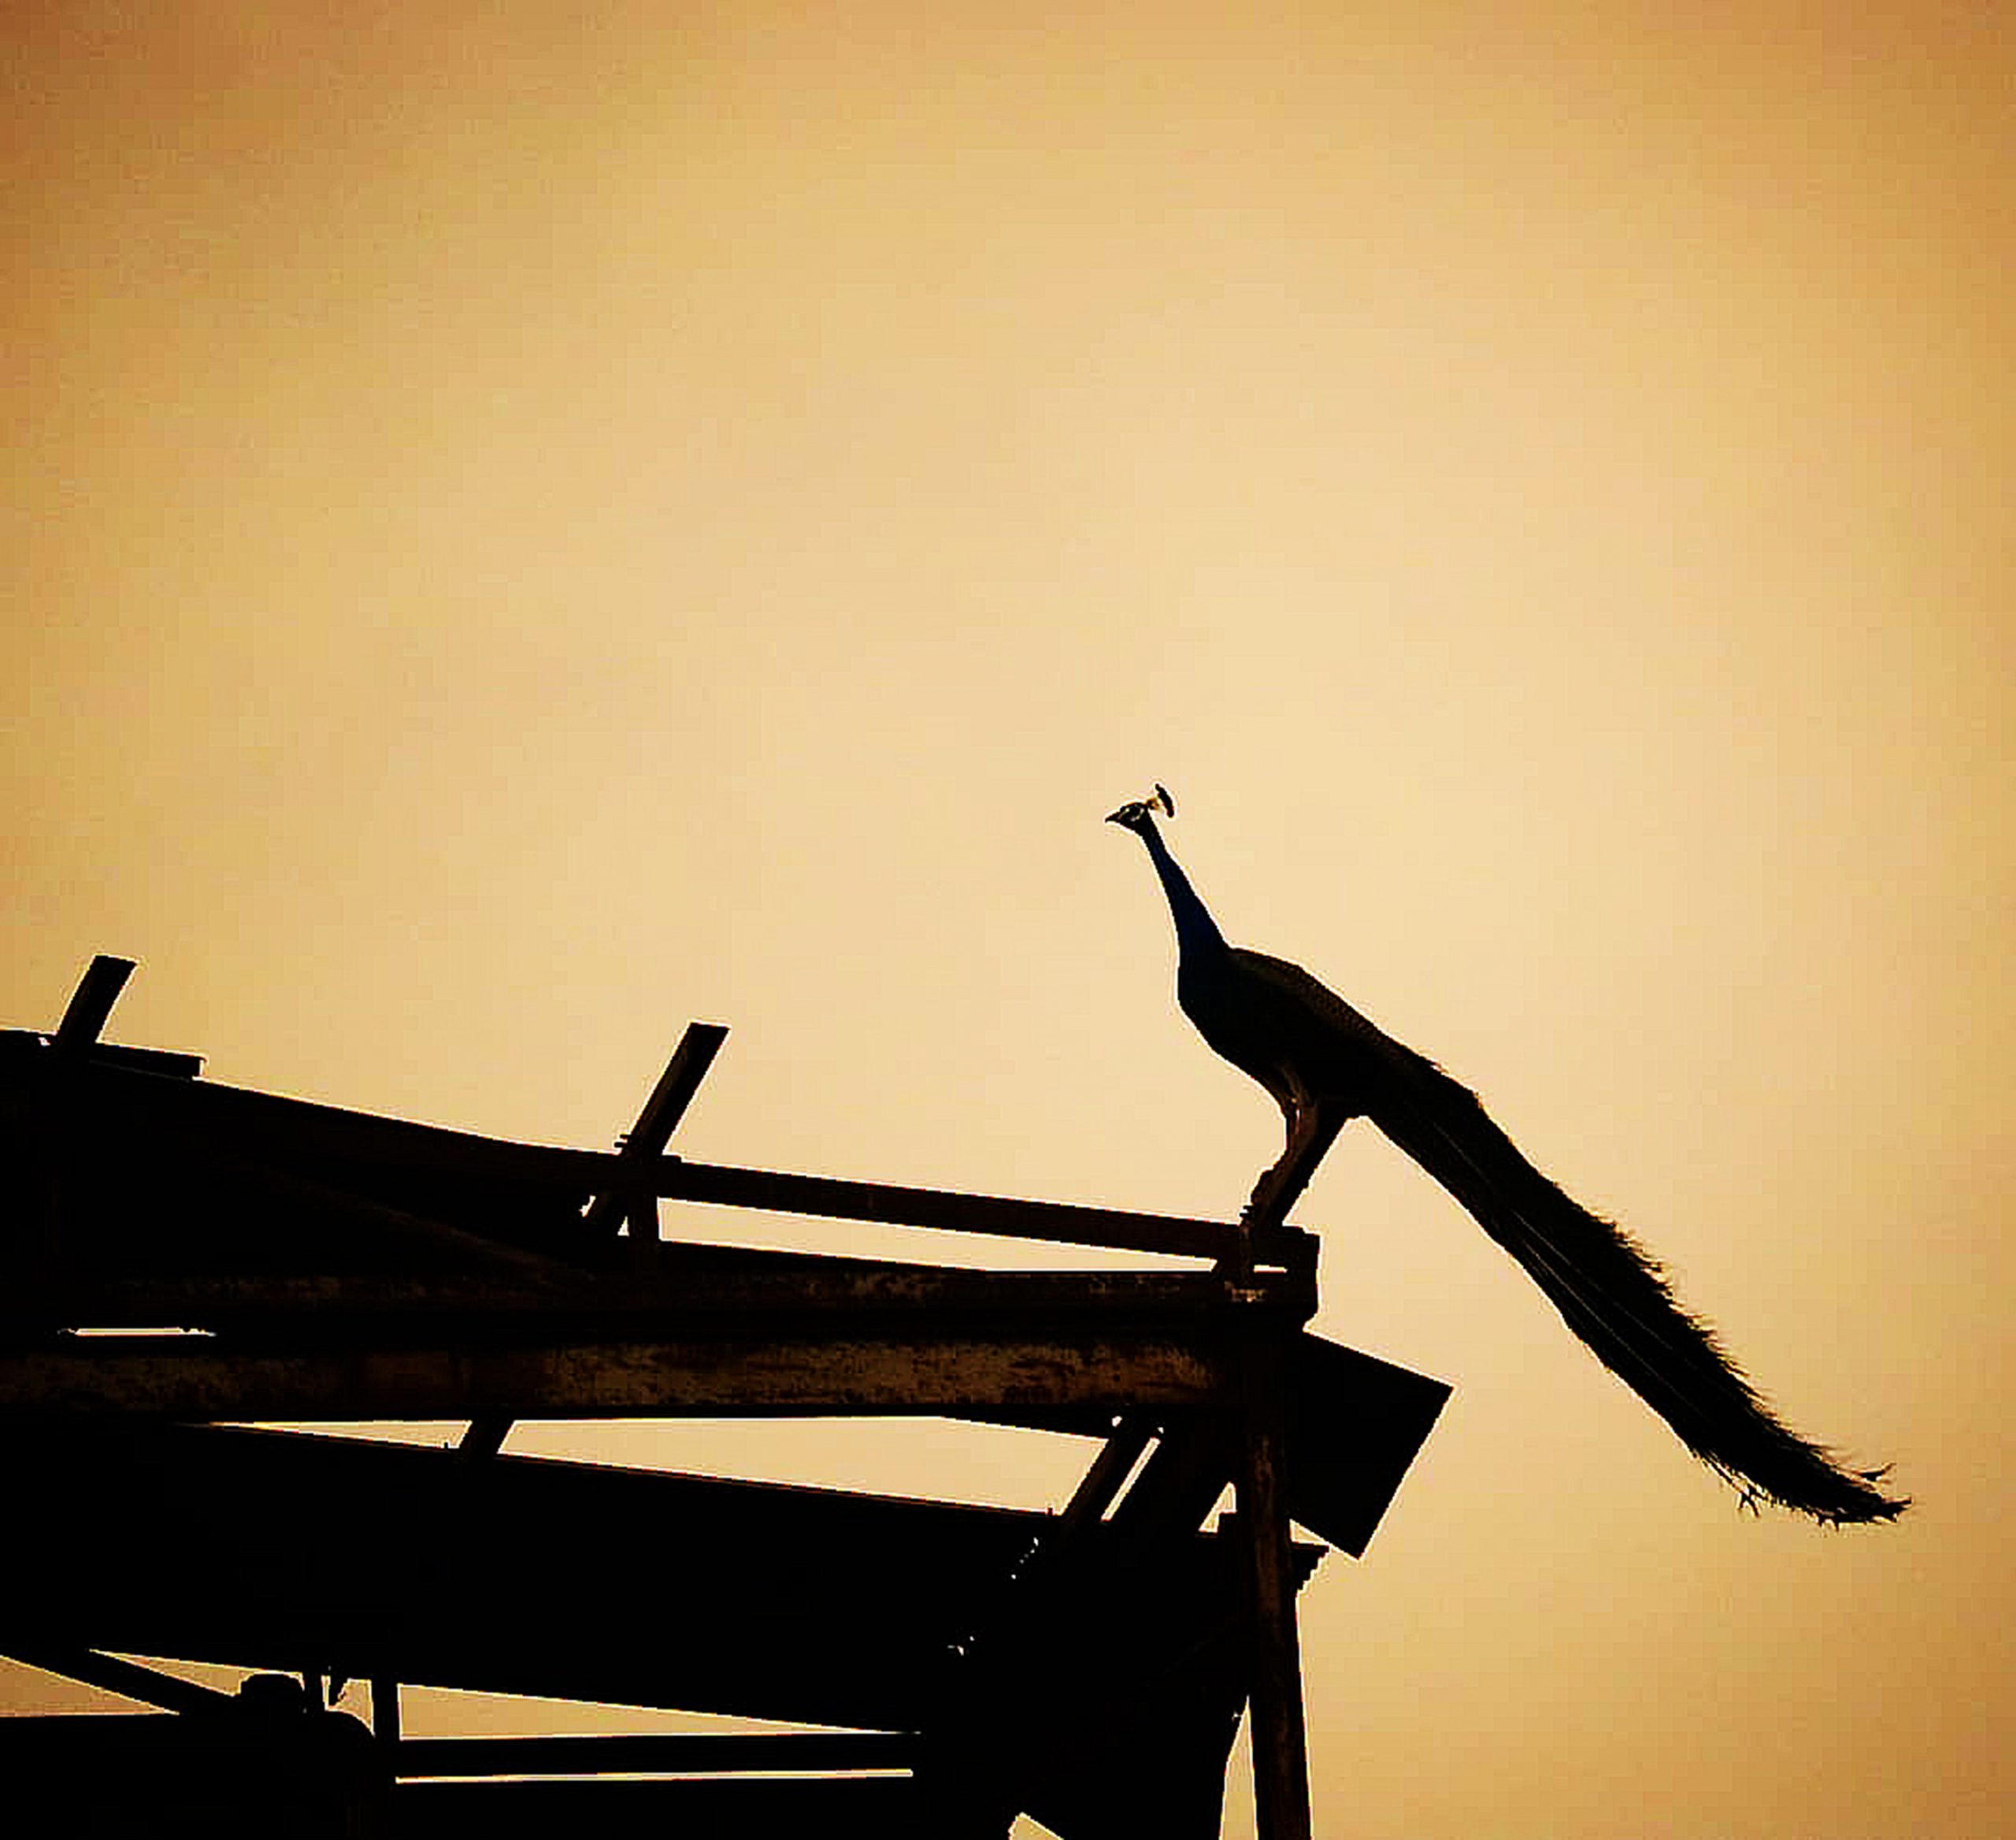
1138, 814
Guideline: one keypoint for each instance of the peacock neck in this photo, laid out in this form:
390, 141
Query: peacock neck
1197, 934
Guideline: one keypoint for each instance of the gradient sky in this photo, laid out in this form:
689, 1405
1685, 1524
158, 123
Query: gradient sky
523, 532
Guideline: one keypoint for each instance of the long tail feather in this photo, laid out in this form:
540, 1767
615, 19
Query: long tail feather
1614, 1295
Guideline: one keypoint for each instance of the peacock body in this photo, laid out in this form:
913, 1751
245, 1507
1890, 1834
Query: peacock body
1325, 1063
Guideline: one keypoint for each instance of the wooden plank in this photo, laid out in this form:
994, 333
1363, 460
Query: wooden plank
1101, 1483
646, 1139
777, 1301
675, 1090
656, 1753
484, 1435
90, 1003
203, 1119
819, 1196
1280, 1757
175, 1063
475, 1250
1180, 1482
1354, 1425
805, 1605
196, 1379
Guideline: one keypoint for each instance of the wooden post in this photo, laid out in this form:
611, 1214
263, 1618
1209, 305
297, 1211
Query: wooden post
1280, 1742
1280, 1758
643, 1143
92, 1002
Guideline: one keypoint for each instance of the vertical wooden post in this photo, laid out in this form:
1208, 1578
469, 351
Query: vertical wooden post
1280, 1741
1280, 1753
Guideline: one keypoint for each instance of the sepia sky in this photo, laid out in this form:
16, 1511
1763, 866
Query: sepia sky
521, 532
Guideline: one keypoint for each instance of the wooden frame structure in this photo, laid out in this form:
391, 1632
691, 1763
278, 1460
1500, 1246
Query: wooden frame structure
182, 1259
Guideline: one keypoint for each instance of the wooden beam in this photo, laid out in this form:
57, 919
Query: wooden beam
676, 1088
988, 1777
484, 1435
775, 1192
1280, 1756
90, 1003
657, 1753
207, 1119
1101, 1483
196, 1378
478, 1252
672, 1300
1181, 1483
645, 1141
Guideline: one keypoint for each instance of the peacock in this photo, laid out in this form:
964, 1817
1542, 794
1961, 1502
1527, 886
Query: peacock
1326, 1064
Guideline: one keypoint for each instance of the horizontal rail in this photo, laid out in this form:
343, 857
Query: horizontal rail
236, 1125
842, 1373
720, 1185
662, 1301
654, 1753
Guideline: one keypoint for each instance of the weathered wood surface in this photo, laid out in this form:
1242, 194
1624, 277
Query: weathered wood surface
668, 1295
1051, 1350
191, 1378
1280, 1756
182, 1144
343, 1266
817, 1196
645, 1140
90, 1003
1116, 1674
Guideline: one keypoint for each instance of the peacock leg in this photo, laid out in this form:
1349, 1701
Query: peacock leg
1311, 1132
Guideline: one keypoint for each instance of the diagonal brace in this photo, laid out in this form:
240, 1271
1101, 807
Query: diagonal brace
637, 1153
90, 1003
638, 1148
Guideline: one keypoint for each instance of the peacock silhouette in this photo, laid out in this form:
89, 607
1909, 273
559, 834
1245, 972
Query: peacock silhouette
1326, 1064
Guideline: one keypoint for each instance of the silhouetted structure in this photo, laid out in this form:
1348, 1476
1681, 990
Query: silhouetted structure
183, 1259
1326, 1064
